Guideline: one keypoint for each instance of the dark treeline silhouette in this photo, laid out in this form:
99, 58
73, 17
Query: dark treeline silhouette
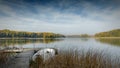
22, 34
112, 33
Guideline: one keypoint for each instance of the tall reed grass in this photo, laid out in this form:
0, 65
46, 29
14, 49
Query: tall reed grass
76, 59
5, 57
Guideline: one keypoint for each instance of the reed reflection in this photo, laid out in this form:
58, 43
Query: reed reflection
110, 41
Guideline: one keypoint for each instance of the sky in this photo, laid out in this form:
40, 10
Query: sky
60, 16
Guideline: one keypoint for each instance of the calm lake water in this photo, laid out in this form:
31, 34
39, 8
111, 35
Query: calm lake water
108, 46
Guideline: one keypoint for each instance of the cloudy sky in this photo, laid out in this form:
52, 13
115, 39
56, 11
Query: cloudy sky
60, 16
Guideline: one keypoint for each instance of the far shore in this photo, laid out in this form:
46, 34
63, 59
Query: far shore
31, 38
66, 37
95, 37
108, 37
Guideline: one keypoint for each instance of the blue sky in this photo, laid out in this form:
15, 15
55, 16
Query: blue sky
60, 16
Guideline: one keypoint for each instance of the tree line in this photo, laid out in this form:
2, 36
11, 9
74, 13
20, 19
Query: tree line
112, 33
22, 34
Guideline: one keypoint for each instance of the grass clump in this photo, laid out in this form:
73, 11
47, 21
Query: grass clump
76, 59
5, 57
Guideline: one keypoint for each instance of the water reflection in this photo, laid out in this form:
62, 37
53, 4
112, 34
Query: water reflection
8, 42
84, 39
115, 42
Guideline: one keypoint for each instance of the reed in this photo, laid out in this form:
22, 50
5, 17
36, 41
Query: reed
76, 59
5, 57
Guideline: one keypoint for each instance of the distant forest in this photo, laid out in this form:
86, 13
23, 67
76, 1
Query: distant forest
112, 33
22, 34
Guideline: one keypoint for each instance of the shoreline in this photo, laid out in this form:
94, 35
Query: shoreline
107, 37
66, 37
31, 38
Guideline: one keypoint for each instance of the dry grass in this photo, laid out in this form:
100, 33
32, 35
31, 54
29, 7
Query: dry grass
71, 59
5, 57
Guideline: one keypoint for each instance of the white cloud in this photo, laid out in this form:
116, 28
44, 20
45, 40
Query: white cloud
52, 20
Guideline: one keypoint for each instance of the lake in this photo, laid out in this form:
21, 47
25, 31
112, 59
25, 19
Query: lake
110, 46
